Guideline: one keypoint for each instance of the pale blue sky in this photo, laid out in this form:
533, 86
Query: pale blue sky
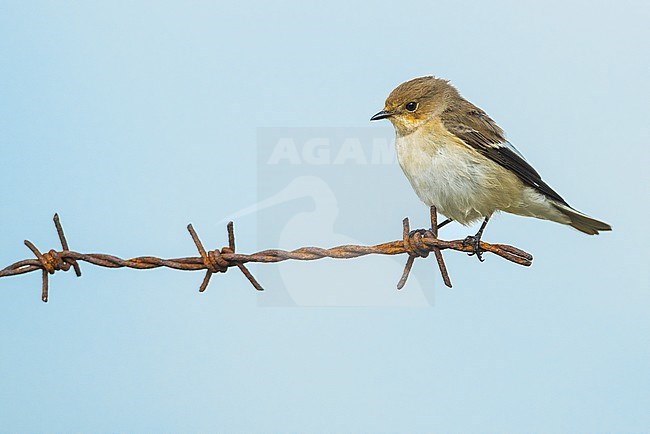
132, 119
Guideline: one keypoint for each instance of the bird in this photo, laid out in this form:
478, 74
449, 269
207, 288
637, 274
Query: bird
458, 160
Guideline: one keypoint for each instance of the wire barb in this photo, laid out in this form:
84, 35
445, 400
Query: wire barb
436, 251
52, 261
215, 262
416, 244
64, 244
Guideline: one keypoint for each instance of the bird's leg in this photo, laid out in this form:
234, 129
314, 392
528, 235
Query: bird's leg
475, 241
434, 219
438, 226
445, 223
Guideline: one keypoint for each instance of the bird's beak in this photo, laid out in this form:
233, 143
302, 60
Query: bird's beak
381, 115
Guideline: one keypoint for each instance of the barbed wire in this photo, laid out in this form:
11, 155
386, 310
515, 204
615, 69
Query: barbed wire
416, 244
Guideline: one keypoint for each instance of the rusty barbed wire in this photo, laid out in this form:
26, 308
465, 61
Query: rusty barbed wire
416, 244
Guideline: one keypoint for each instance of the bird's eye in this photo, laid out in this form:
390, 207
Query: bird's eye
411, 106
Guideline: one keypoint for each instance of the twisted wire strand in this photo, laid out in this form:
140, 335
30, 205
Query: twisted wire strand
417, 243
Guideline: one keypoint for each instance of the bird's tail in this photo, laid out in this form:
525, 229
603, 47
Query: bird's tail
582, 222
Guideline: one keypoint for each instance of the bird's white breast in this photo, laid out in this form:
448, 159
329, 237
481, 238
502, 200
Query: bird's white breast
458, 181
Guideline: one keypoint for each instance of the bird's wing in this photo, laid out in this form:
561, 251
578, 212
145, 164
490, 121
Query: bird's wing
474, 127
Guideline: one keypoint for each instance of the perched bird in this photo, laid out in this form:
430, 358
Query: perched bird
458, 160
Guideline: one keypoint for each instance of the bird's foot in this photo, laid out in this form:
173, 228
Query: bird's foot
475, 242
422, 232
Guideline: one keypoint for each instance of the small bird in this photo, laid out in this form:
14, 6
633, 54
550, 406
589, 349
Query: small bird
458, 160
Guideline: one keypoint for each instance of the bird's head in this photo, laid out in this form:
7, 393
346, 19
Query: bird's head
414, 102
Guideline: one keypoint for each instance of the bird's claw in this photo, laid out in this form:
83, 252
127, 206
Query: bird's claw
422, 232
475, 242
